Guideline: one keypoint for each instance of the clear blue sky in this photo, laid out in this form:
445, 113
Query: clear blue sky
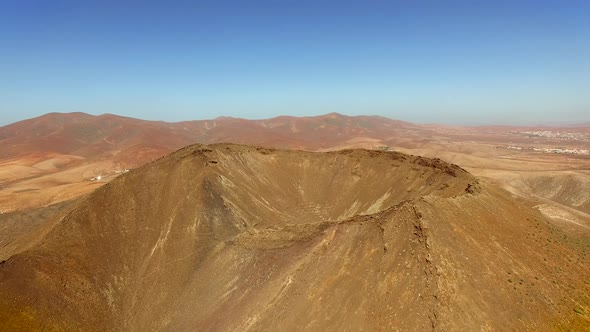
465, 62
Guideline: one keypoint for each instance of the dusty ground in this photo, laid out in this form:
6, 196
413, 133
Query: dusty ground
29, 183
229, 237
56, 157
558, 185
536, 232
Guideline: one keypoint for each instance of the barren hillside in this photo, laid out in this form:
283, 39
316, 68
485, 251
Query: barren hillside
58, 156
229, 237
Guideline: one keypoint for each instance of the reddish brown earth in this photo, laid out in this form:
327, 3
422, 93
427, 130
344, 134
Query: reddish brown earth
58, 157
227, 237
53, 158
48, 162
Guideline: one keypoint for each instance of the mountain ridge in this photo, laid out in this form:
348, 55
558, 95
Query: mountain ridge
52, 132
228, 236
61, 156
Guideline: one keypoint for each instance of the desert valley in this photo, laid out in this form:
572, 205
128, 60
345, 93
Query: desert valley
327, 222
276, 165
57, 157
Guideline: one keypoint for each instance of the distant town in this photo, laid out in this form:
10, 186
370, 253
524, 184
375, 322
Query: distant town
549, 150
564, 136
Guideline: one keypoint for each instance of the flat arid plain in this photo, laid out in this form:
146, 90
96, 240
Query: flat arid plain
327, 222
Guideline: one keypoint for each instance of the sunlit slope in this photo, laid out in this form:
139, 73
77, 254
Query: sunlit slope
229, 237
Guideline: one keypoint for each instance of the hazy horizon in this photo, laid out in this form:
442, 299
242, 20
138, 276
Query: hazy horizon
538, 124
458, 62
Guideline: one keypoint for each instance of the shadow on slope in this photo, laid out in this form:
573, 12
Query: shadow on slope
230, 237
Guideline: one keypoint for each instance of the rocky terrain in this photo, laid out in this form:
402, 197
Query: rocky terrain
60, 156
232, 237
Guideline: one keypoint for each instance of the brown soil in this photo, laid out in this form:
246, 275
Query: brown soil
228, 237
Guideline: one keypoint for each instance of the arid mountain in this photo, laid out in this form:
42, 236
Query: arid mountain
90, 137
54, 157
58, 157
229, 237
134, 141
107, 135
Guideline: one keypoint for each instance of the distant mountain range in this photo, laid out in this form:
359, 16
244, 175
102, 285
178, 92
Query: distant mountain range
131, 141
135, 140
52, 157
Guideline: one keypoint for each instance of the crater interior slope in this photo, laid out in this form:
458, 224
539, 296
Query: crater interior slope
232, 237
